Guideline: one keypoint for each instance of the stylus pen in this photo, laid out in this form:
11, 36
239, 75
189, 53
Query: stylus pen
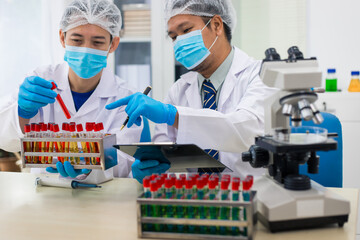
146, 92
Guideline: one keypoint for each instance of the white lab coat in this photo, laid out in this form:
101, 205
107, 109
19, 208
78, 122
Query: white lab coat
109, 89
231, 129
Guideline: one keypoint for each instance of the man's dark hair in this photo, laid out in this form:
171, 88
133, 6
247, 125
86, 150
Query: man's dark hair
226, 27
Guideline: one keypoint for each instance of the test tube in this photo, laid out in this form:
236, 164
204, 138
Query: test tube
169, 208
37, 145
49, 144
58, 145
155, 208
247, 184
179, 208
61, 102
65, 134
27, 145
190, 209
83, 146
200, 195
212, 196
73, 145
224, 211
90, 145
44, 134
235, 211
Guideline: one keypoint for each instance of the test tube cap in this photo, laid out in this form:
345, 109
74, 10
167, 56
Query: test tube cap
100, 125
225, 183
212, 183
235, 184
200, 183
247, 184
79, 127
154, 175
153, 186
65, 126
56, 128
72, 127
33, 126
89, 126
168, 183
251, 178
146, 181
178, 183
27, 128
44, 127
37, 128
188, 183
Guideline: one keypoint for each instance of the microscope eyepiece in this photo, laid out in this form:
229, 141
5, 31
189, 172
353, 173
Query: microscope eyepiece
271, 55
294, 53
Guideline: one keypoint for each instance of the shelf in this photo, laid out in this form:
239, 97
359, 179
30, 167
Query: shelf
126, 39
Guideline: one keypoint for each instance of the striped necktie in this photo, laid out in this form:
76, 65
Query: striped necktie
210, 102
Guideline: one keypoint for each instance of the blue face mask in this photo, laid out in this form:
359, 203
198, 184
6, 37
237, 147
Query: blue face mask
85, 62
190, 49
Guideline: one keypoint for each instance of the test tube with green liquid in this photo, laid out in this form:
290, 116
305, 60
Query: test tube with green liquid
247, 184
169, 208
235, 211
224, 211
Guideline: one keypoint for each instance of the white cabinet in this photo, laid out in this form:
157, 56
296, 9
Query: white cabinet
346, 106
147, 58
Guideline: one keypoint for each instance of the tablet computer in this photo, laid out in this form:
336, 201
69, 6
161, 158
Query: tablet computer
181, 157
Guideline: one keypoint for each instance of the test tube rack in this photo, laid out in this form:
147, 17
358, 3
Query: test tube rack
249, 206
107, 153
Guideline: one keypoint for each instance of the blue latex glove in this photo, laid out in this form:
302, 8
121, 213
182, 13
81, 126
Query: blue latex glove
141, 169
34, 93
67, 170
139, 104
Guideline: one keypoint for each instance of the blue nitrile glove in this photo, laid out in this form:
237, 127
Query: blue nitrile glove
34, 93
139, 104
141, 169
67, 170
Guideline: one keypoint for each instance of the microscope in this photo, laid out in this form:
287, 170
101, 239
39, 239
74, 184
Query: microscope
286, 199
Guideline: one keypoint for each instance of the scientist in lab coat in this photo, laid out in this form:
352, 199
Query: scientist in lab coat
89, 32
218, 105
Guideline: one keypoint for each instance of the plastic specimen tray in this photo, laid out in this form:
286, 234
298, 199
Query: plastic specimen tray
106, 156
250, 207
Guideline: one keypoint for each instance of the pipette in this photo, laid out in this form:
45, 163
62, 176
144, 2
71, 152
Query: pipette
61, 102
56, 182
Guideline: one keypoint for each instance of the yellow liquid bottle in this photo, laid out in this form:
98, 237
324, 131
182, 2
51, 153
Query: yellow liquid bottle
354, 83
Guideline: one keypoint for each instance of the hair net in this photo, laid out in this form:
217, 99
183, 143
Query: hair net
98, 12
203, 8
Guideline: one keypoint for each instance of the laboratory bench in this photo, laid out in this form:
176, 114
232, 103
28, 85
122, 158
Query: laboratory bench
30, 212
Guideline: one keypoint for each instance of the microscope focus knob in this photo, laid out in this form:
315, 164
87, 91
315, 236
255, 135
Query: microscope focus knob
256, 156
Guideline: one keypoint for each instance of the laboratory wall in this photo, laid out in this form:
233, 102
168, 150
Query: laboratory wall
333, 36
263, 24
29, 37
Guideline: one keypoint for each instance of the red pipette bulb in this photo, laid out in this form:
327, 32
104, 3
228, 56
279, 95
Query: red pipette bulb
61, 102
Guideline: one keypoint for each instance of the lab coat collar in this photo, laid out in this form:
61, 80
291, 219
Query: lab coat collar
192, 92
240, 62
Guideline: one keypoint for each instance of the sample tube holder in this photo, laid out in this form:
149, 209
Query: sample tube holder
249, 207
107, 154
